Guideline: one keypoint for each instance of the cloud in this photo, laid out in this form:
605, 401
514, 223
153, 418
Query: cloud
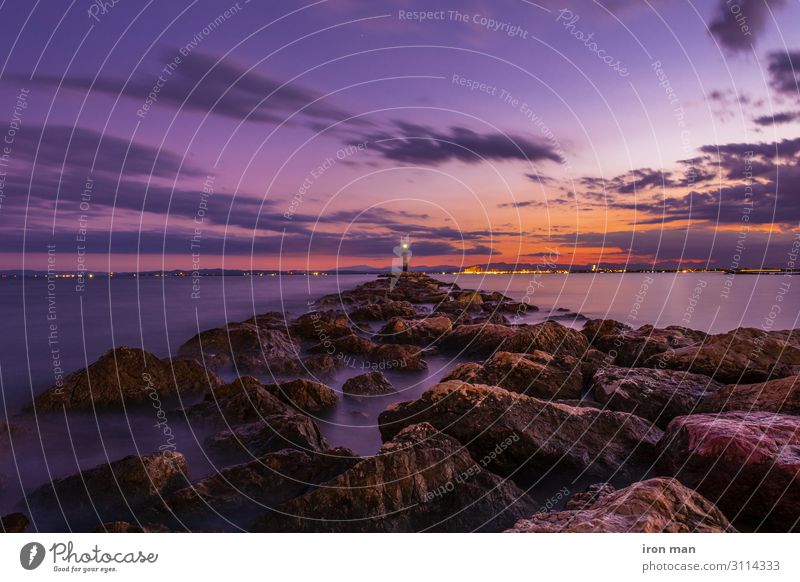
675, 246
416, 144
738, 25
87, 151
778, 118
784, 71
202, 83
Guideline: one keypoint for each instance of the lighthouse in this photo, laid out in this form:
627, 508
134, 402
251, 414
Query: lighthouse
405, 251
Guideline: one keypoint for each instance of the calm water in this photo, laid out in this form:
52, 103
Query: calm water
160, 314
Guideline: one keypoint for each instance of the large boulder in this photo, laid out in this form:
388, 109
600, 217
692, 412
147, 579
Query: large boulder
128, 375
748, 464
383, 310
273, 433
516, 432
307, 395
376, 356
484, 339
246, 347
657, 395
660, 505
237, 407
113, 491
369, 384
423, 332
632, 348
231, 497
596, 328
744, 355
782, 395
14, 523
318, 325
536, 374
421, 480
256, 422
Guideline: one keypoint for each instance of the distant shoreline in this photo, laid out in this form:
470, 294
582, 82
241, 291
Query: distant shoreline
178, 274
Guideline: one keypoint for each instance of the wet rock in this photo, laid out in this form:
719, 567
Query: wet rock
536, 374
632, 348
657, 395
591, 495
781, 395
238, 407
121, 527
369, 384
597, 328
659, 505
231, 497
397, 357
748, 464
256, 422
126, 374
320, 365
273, 433
112, 492
468, 300
318, 325
246, 347
423, 332
745, 355
378, 356
484, 339
421, 480
14, 523
529, 432
306, 395
382, 310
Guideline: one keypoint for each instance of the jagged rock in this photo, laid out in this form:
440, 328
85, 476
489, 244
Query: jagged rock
484, 339
397, 357
232, 496
305, 394
420, 480
273, 433
14, 523
120, 527
781, 395
536, 374
597, 328
657, 395
245, 346
416, 331
382, 310
591, 495
238, 407
259, 422
744, 355
111, 492
320, 365
318, 325
654, 506
128, 374
369, 384
748, 464
632, 348
537, 434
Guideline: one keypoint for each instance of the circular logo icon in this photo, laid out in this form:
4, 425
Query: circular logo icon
31, 555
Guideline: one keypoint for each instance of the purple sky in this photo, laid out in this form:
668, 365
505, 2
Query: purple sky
286, 134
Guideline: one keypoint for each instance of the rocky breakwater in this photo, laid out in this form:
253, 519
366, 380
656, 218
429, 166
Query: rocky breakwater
696, 431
